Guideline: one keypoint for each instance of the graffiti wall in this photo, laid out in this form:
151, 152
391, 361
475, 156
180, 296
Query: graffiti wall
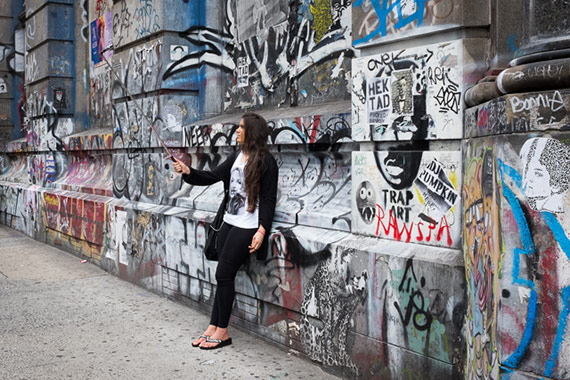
516, 255
519, 113
289, 55
11, 73
413, 238
412, 94
376, 21
411, 197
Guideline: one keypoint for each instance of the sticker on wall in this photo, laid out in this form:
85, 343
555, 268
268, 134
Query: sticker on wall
3, 87
122, 227
59, 98
177, 52
243, 72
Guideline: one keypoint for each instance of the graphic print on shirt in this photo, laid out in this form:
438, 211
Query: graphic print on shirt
237, 202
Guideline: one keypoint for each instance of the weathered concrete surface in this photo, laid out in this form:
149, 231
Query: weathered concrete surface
64, 319
518, 113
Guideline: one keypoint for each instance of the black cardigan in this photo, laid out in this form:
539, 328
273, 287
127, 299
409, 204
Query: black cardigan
267, 191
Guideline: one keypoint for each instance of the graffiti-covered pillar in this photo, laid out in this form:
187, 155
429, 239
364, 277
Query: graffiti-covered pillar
417, 60
49, 73
516, 246
11, 73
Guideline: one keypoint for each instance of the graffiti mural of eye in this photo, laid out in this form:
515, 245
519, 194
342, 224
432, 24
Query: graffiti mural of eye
366, 202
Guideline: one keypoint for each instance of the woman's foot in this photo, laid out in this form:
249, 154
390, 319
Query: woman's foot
202, 338
219, 334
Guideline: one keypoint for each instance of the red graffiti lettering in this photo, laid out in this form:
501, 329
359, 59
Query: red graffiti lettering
402, 231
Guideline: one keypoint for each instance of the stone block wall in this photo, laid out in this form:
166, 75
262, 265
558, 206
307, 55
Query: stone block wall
11, 74
514, 194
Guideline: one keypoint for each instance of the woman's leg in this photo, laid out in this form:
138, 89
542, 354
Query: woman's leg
222, 236
234, 253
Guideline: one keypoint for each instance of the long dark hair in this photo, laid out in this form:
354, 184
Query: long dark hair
255, 146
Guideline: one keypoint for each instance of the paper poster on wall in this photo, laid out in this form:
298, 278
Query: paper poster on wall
436, 189
402, 92
379, 100
122, 236
101, 38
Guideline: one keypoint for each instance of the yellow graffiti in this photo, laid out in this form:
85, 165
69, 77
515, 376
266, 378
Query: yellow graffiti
483, 255
51, 200
150, 187
322, 18
419, 195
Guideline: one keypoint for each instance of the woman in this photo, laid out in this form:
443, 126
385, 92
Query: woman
246, 221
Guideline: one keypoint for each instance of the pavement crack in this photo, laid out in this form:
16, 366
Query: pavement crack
3, 274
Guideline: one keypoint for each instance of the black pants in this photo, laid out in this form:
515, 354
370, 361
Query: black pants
234, 242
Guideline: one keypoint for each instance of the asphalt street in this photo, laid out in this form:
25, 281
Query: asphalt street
64, 319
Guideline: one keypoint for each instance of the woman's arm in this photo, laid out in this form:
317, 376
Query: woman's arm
205, 177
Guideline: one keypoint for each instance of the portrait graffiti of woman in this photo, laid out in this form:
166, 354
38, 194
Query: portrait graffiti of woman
546, 173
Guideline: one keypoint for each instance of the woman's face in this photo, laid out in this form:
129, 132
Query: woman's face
241, 132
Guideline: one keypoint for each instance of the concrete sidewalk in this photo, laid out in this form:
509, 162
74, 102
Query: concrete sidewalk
61, 319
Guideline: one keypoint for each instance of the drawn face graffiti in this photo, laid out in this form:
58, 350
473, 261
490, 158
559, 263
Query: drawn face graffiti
366, 202
546, 177
404, 127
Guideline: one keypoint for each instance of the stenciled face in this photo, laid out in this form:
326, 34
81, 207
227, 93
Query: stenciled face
399, 168
241, 132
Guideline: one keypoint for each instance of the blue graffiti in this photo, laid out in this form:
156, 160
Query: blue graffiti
557, 231
147, 18
560, 236
562, 321
529, 250
383, 10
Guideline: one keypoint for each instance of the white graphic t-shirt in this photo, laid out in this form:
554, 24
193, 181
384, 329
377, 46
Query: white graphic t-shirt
236, 209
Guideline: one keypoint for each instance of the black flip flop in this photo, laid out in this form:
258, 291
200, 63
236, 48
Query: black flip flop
201, 336
221, 343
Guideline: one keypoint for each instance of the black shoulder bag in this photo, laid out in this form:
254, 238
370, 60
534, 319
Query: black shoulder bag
211, 247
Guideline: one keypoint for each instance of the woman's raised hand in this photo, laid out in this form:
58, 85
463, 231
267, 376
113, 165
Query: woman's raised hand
180, 167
